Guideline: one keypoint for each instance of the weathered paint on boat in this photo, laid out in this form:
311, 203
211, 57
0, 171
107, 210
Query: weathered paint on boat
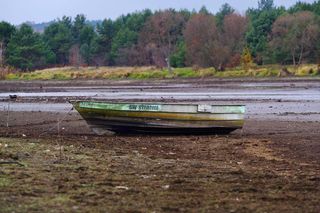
161, 118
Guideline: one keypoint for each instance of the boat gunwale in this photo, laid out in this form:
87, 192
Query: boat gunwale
76, 104
154, 103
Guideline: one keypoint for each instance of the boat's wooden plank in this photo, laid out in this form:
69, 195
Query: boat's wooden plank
163, 124
159, 115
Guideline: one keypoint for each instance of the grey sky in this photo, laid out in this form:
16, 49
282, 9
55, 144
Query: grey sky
18, 11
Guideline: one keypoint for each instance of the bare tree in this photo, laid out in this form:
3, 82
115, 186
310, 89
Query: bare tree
1, 53
75, 58
296, 35
204, 43
234, 29
161, 32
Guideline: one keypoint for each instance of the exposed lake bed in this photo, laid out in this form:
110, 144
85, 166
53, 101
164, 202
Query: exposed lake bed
272, 164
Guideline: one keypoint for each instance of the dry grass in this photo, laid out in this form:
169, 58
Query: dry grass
140, 73
4, 71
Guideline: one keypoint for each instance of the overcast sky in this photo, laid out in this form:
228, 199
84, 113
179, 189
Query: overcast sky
19, 11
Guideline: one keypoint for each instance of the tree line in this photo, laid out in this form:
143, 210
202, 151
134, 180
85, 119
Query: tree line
267, 34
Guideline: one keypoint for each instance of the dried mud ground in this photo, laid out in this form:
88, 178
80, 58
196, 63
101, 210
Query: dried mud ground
272, 165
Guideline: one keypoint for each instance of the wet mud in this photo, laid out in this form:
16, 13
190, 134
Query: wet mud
51, 161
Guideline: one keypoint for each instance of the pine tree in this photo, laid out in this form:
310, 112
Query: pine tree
27, 51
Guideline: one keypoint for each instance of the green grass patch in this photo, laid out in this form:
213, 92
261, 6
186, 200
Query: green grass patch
60, 76
158, 74
12, 76
185, 73
59, 199
4, 181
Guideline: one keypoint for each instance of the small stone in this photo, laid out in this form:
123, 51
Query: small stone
166, 186
75, 207
122, 187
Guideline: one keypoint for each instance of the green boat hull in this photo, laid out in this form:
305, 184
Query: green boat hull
129, 118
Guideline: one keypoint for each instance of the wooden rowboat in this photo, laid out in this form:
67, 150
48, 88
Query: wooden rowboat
161, 118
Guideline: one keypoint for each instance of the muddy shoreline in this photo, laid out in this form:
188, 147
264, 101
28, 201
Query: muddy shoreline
271, 165
54, 85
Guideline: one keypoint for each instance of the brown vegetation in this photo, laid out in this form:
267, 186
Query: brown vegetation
296, 35
207, 45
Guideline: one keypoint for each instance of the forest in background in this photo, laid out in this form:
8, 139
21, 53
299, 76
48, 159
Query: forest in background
263, 35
